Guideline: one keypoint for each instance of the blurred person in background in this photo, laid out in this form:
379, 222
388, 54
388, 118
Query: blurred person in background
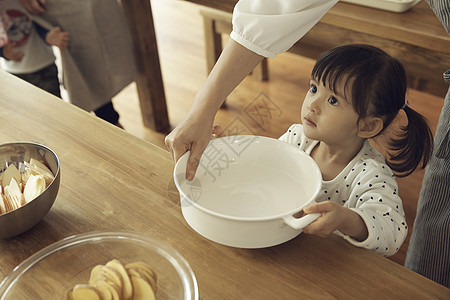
99, 61
27, 51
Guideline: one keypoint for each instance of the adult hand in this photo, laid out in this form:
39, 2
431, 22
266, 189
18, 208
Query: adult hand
34, 7
9, 52
335, 217
194, 134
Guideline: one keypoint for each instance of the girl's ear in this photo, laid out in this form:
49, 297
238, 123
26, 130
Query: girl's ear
369, 127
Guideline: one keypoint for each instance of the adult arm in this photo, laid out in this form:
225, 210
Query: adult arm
194, 132
261, 28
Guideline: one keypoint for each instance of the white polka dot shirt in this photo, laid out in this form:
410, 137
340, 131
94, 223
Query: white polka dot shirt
368, 187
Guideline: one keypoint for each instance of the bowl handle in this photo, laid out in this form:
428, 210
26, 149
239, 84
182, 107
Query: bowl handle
300, 223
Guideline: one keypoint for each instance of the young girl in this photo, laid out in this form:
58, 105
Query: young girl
356, 91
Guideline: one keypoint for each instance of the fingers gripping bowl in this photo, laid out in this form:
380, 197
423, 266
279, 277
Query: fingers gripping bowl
18, 156
247, 190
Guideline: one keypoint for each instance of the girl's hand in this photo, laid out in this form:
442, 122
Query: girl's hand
9, 52
58, 38
34, 7
335, 217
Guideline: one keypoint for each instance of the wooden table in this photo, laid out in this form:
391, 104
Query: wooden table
415, 37
105, 171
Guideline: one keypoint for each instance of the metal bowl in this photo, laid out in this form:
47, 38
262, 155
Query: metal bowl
21, 219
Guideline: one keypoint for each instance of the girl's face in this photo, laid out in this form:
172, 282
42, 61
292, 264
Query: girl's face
328, 116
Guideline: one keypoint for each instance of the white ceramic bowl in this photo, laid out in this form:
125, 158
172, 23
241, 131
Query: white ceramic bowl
247, 189
49, 273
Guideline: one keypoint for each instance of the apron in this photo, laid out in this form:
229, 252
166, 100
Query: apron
99, 61
429, 247
442, 137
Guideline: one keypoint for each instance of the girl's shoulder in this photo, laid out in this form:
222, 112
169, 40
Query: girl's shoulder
369, 162
366, 173
294, 136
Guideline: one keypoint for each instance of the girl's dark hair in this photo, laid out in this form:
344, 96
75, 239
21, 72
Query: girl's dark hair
378, 89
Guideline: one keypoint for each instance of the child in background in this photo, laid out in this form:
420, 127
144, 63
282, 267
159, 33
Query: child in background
356, 91
5, 23
28, 53
99, 62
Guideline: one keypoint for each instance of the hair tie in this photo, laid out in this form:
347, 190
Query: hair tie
406, 104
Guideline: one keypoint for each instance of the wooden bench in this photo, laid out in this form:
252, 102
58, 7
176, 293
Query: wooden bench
415, 37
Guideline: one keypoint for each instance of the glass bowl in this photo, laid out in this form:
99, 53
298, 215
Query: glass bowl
49, 273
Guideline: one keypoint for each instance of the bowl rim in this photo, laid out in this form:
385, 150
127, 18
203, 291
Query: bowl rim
182, 267
247, 219
55, 175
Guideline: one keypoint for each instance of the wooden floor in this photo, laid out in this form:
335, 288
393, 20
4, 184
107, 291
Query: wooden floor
261, 108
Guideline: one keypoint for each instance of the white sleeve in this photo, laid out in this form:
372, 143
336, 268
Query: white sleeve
270, 27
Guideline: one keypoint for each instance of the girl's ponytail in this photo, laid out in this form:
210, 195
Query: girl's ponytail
412, 146
378, 88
